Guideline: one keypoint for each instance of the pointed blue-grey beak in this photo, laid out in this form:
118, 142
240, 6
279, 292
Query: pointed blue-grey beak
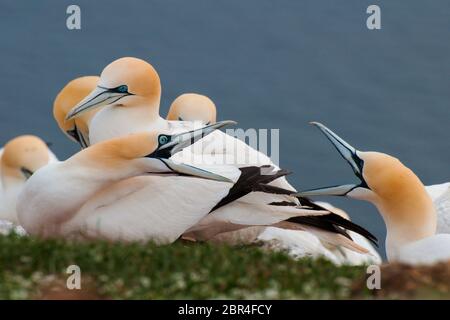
182, 140
172, 144
99, 97
350, 154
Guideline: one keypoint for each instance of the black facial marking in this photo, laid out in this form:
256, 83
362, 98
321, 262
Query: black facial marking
74, 134
119, 89
360, 164
26, 172
162, 153
78, 136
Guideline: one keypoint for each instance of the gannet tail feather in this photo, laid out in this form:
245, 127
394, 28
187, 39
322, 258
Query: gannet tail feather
320, 223
248, 180
348, 225
326, 222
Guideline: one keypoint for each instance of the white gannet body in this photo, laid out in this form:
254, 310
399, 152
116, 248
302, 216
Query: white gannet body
19, 159
440, 194
75, 197
196, 107
401, 199
103, 192
129, 93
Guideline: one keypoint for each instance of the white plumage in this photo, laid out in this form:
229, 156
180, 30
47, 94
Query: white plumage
129, 93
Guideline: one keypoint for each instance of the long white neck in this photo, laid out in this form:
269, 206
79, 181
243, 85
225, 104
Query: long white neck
118, 121
407, 221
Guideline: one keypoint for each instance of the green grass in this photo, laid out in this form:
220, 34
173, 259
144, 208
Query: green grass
33, 268
177, 271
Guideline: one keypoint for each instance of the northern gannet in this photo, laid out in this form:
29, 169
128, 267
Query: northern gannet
193, 107
81, 195
401, 199
197, 107
129, 93
72, 93
20, 159
103, 192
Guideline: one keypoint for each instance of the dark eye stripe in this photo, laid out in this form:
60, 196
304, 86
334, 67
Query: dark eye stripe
120, 89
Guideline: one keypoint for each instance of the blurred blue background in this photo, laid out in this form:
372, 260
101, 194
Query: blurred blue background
266, 64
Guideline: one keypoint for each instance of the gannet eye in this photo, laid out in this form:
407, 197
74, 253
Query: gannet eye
163, 139
122, 89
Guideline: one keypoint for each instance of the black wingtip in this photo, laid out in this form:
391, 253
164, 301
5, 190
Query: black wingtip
342, 222
331, 218
319, 223
348, 225
249, 180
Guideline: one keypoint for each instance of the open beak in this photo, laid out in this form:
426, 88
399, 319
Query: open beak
99, 97
178, 142
350, 154
182, 140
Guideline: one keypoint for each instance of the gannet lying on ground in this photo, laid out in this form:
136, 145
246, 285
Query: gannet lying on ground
197, 107
97, 194
128, 94
20, 159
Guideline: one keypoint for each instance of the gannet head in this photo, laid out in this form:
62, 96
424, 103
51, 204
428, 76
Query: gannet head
193, 107
397, 192
22, 157
76, 129
123, 83
152, 151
